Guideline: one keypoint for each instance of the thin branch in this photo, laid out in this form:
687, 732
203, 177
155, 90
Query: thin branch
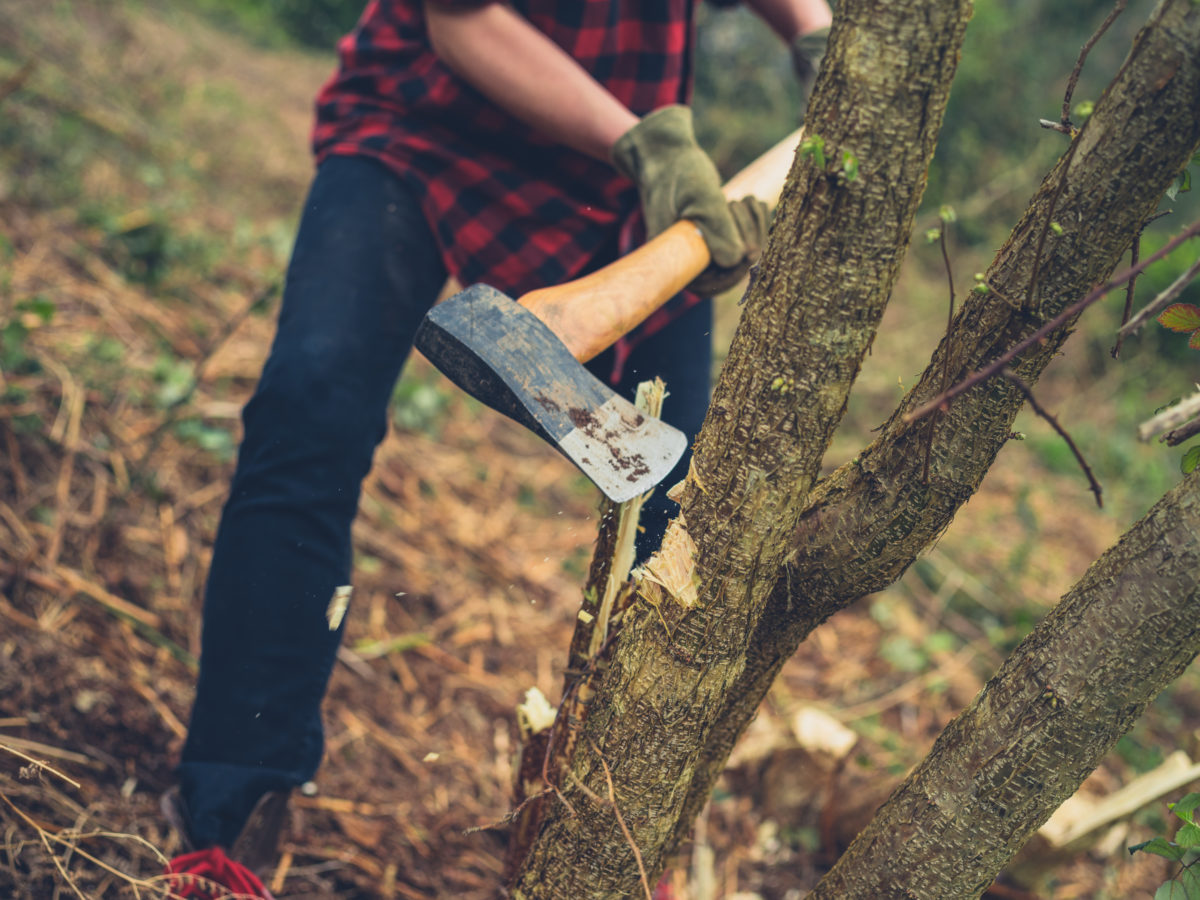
1054, 198
612, 799
1057, 322
1170, 418
38, 764
1135, 253
1154, 306
1182, 433
1012, 376
1087, 48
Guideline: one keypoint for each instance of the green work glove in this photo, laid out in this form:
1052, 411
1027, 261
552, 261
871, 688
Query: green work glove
807, 52
676, 180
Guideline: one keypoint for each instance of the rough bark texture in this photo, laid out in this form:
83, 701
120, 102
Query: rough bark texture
1043, 723
864, 525
822, 286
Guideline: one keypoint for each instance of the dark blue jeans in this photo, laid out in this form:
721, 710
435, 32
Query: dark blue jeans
363, 272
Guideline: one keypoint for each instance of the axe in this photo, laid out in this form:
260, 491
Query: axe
524, 358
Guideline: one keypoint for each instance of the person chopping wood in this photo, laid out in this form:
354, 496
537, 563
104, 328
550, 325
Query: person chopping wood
516, 144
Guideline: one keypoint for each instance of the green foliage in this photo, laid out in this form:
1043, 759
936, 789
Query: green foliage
212, 438
312, 23
1185, 849
175, 379
421, 403
849, 165
1183, 317
813, 147
1190, 459
28, 314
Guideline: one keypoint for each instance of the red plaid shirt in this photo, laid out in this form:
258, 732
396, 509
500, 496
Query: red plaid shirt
507, 206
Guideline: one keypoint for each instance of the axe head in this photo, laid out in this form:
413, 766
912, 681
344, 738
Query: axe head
505, 356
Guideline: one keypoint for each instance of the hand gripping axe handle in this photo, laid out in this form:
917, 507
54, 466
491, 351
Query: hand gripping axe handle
525, 358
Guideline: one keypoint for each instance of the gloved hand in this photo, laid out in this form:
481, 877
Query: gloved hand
807, 52
676, 180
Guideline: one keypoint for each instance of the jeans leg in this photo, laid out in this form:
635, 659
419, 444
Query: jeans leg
681, 354
363, 272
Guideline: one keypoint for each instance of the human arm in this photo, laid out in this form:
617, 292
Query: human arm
525, 73
791, 18
803, 25
497, 51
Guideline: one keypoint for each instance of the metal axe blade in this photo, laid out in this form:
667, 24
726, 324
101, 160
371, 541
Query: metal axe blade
505, 356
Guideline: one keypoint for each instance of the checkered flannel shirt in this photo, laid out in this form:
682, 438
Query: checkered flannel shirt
508, 207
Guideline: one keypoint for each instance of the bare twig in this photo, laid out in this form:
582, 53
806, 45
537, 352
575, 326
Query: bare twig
1057, 322
38, 763
1083, 54
1057, 126
1046, 225
1182, 433
1155, 306
612, 801
1135, 253
1172, 417
1011, 376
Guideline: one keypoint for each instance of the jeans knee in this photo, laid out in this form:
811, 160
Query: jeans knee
321, 394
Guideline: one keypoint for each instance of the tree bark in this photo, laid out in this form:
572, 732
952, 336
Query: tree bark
820, 291
864, 525
775, 556
1075, 685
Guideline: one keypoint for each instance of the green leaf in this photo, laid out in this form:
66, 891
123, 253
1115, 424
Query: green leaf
1186, 806
933, 235
1190, 879
849, 165
39, 306
1083, 109
1188, 836
947, 214
1174, 890
814, 146
1180, 317
1160, 846
1056, 228
1181, 185
1190, 460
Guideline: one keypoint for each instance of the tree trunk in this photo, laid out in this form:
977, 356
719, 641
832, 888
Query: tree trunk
774, 556
820, 291
864, 525
1077, 683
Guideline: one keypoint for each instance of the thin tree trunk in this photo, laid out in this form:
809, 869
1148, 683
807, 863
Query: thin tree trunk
1043, 723
836, 247
864, 525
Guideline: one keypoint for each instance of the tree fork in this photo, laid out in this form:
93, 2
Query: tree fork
865, 524
1042, 724
835, 249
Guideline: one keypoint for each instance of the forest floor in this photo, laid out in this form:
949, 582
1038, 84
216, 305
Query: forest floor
151, 169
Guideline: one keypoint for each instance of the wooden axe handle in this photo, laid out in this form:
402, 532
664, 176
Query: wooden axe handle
591, 313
